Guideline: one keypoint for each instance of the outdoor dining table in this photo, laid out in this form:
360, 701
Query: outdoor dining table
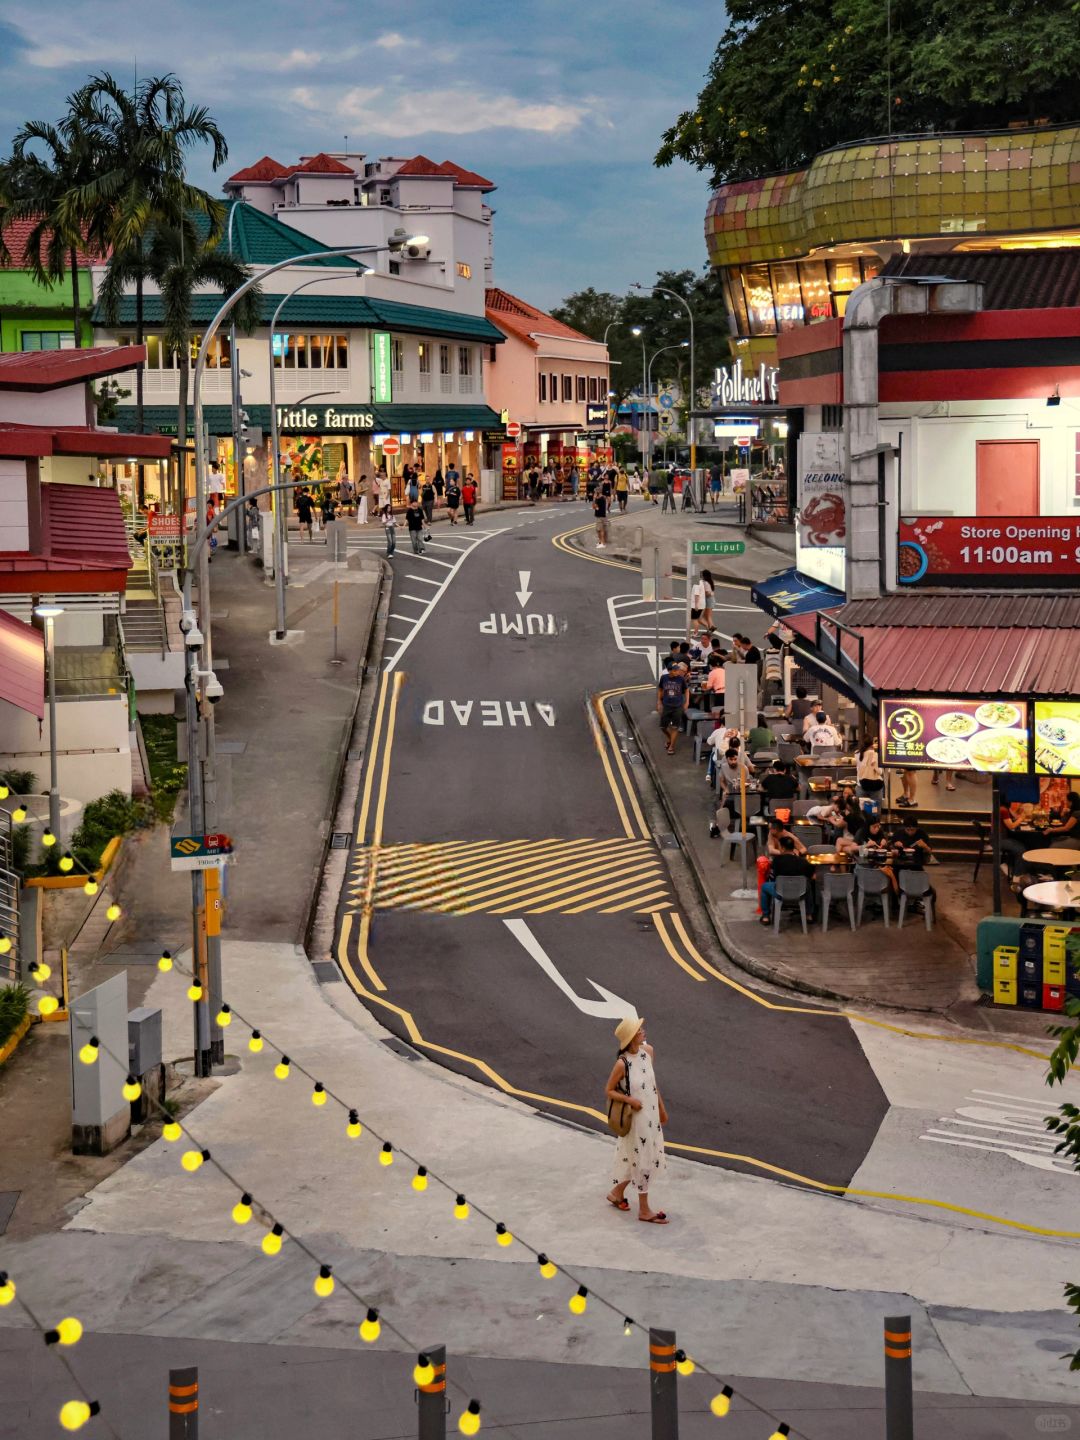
1059, 857
1054, 894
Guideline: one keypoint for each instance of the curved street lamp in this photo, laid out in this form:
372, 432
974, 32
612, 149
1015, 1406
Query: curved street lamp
682, 344
662, 290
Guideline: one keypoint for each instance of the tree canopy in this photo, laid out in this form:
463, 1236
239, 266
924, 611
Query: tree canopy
792, 77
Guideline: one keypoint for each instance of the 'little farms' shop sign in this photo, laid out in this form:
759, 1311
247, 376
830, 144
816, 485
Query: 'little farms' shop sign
322, 419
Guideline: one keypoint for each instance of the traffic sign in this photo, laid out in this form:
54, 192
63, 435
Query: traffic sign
391, 445
743, 441
717, 547
200, 852
513, 428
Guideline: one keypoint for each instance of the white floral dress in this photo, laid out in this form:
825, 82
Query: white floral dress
639, 1155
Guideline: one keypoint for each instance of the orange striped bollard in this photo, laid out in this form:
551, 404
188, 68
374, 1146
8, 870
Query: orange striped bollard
663, 1385
184, 1404
899, 1417
431, 1397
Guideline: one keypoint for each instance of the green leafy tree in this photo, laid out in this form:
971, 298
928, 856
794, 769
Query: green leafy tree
792, 77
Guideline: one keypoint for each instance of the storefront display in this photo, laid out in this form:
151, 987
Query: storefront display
1057, 737
1017, 550
988, 735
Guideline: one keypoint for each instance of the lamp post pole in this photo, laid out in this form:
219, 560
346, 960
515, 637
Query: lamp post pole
691, 428
234, 374
648, 373
48, 613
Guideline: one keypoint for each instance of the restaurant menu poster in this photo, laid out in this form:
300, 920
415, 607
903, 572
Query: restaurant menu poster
1057, 737
989, 735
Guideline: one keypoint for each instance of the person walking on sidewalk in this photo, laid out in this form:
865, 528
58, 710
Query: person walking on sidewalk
389, 526
438, 485
427, 500
668, 479
672, 698
639, 1154
453, 495
468, 499
414, 519
622, 489
305, 511
600, 510
362, 500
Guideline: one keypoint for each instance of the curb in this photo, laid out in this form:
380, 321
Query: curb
76, 882
11, 1044
628, 559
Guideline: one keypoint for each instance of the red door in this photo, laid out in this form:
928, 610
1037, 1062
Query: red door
1007, 477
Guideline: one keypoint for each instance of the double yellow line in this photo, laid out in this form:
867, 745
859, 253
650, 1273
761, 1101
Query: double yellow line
561, 542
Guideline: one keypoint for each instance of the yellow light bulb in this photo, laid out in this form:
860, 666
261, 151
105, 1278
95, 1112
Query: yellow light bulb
4, 791
318, 1095
74, 1414
48, 839
66, 863
194, 992
69, 1331
628, 1326
281, 1069
19, 814
271, 1241
354, 1129
40, 972
579, 1300
255, 1044
91, 887
461, 1208
684, 1365
165, 963
780, 1431
7, 1288
191, 1160
423, 1371
131, 1089
171, 1131
419, 1180
502, 1235
48, 1005
721, 1404
88, 1053
324, 1282
241, 1211
547, 1268
469, 1419
5, 944
386, 1154
370, 1327
113, 912
223, 1016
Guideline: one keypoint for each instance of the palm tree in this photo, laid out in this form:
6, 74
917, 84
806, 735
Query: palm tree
180, 259
39, 187
141, 141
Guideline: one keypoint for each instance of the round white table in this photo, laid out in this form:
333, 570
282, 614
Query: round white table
1059, 857
1054, 894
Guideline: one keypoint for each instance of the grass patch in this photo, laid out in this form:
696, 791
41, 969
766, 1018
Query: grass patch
167, 775
14, 1003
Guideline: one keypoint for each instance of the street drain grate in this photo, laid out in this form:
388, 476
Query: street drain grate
354, 755
326, 972
340, 840
400, 1048
667, 842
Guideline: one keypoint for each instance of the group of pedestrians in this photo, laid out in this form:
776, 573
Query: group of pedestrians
320, 504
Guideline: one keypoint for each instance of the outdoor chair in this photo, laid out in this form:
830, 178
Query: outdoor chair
982, 831
809, 834
915, 885
733, 840
775, 805
800, 807
837, 887
692, 718
875, 884
788, 751
790, 889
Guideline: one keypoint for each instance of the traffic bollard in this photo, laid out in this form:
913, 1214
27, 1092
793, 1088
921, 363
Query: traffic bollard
431, 1399
899, 1418
184, 1403
663, 1385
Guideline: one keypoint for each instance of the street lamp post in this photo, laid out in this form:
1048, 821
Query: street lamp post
648, 374
234, 380
48, 613
661, 290
637, 330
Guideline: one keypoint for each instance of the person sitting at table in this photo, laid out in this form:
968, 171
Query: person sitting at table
875, 849
822, 734
800, 708
728, 771
910, 845
778, 830
787, 861
846, 839
672, 657
712, 691
760, 737
827, 814
1017, 835
868, 771
1064, 827
779, 783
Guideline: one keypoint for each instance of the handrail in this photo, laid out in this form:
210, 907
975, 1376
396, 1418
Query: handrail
839, 657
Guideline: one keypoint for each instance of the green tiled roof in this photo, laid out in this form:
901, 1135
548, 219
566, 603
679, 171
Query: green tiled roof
346, 312
389, 419
260, 239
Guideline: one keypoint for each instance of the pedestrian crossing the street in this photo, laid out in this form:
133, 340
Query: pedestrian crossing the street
512, 877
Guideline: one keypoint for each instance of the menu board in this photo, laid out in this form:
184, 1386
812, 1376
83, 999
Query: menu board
1057, 737
956, 734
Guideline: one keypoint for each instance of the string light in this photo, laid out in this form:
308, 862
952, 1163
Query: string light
720, 1404
423, 1371
628, 1326
419, 1180
66, 862
224, 1016
579, 1301
19, 813
683, 1364
469, 1420
165, 962
255, 1044
354, 1129
4, 791
281, 1069
386, 1154
132, 1089
193, 1159
48, 839
48, 1005
39, 972
318, 1095
271, 1241
502, 1235
171, 1131
67, 1332
461, 1208
88, 1053
91, 886
547, 1268
324, 1282
370, 1327
5, 944
113, 912
780, 1431
194, 992
7, 1288
241, 1211
75, 1413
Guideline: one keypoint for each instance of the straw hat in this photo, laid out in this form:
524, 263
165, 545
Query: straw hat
627, 1029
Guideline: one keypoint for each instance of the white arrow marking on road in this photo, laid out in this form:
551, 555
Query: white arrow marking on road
609, 1008
524, 594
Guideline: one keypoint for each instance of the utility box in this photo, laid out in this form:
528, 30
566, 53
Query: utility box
100, 1116
144, 1060
337, 541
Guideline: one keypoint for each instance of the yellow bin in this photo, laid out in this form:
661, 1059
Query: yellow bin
1004, 990
1006, 961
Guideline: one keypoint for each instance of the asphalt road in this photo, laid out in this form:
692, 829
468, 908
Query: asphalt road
507, 900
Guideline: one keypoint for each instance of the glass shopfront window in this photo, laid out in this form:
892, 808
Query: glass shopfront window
159, 356
311, 352
769, 299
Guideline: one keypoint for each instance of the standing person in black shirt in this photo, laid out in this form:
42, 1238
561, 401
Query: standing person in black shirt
600, 510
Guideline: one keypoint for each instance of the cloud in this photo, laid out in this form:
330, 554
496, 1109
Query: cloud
450, 112
393, 40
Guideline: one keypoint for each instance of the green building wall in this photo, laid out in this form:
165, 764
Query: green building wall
25, 304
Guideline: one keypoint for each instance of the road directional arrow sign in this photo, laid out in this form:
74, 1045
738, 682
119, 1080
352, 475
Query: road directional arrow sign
524, 594
608, 1007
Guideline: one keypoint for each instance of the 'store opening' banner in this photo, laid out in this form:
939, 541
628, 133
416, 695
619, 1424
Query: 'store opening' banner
1014, 550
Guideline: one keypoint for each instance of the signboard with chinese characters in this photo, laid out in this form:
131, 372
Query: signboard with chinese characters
1016, 550
990, 735
382, 380
1057, 737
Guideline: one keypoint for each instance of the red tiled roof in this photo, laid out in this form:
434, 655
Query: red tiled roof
525, 320
22, 665
266, 169
466, 179
321, 164
27, 441
82, 531
421, 165
49, 369
16, 234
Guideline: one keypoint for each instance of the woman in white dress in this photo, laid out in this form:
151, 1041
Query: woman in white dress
639, 1155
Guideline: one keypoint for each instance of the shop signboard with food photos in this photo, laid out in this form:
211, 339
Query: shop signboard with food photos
1057, 737
975, 734
1017, 551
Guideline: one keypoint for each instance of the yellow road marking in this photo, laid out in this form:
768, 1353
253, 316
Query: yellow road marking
372, 761
559, 541
641, 875
647, 903
602, 750
661, 930
631, 792
435, 876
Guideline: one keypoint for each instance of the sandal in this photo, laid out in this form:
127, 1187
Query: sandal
658, 1219
623, 1204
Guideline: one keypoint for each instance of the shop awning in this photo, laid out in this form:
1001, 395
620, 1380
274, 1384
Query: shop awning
790, 593
34, 441
22, 665
389, 419
83, 545
409, 419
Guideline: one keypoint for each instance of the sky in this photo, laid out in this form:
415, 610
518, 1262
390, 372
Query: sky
561, 104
